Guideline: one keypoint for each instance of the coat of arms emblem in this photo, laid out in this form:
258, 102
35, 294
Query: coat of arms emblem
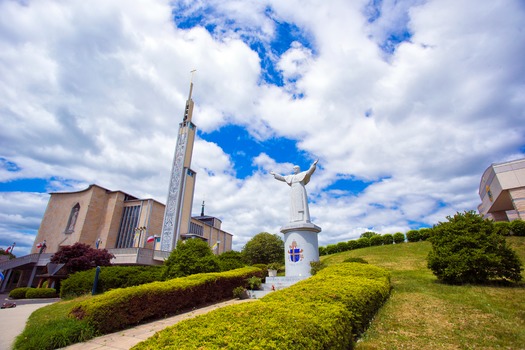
295, 253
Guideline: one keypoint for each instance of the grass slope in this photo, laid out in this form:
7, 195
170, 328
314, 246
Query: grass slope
425, 314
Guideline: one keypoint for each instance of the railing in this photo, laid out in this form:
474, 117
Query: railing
40, 259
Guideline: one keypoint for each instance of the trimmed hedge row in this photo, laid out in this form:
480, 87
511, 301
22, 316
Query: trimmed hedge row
119, 309
35, 293
32, 293
326, 311
110, 277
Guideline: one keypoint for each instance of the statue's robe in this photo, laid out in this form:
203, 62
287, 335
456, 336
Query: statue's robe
298, 198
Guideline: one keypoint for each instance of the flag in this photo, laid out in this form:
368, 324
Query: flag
151, 239
215, 245
39, 245
8, 249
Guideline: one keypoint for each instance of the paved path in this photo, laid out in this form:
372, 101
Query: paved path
13, 320
126, 339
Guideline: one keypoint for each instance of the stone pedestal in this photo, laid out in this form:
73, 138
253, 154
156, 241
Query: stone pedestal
300, 247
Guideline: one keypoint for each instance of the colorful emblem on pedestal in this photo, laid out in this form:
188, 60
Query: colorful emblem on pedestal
295, 253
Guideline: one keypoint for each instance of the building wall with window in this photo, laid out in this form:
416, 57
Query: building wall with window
502, 191
115, 220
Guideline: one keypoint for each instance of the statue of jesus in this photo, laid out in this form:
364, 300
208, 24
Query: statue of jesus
298, 199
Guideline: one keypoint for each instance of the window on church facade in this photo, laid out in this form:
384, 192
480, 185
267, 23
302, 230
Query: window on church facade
128, 224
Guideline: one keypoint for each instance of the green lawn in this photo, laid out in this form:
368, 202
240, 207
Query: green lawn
425, 314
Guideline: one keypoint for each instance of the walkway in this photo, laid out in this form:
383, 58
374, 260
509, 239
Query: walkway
126, 339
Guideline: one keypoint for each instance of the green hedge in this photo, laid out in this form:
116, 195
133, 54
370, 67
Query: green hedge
119, 309
35, 293
325, 311
19, 293
110, 277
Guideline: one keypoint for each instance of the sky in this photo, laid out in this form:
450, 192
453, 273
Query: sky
404, 103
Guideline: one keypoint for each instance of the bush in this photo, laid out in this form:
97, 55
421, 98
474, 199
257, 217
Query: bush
81, 257
325, 311
413, 236
399, 237
356, 260
110, 277
230, 260
363, 242
518, 227
332, 249
322, 251
254, 283
425, 233
192, 256
19, 293
352, 245
120, 308
375, 240
502, 228
342, 247
316, 266
264, 248
35, 293
466, 249
240, 293
388, 238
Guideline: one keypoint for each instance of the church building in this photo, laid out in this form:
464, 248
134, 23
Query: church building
137, 231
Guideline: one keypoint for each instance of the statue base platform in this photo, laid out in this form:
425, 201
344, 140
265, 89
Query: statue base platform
301, 247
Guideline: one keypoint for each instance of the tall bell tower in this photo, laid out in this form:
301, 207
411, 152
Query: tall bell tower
177, 214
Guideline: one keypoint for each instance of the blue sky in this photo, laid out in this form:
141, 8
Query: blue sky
405, 104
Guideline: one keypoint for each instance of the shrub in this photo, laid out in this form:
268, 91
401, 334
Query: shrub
264, 248
332, 249
230, 260
254, 282
399, 237
425, 233
81, 257
356, 260
35, 293
240, 292
363, 242
467, 250
120, 308
388, 238
110, 277
19, 293
413, 236
316, 266
342, 247
518, 227
191, 256
502, 228
352, 245
375, 240
325, 311
322, 251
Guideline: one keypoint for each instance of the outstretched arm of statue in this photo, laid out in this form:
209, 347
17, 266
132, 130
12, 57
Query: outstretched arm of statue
312, 167
277, 176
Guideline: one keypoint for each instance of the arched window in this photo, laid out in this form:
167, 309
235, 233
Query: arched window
70, 228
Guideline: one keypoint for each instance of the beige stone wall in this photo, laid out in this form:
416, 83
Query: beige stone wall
518, 200
53, 225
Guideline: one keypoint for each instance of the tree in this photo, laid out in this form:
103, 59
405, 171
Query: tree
518, 227
230, 260
190, 257
368, 234
376, 240
81, 257
388, 238
264, 248
413, 236
466, 249
399, 237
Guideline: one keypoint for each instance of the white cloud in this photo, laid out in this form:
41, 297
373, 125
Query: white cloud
95, 96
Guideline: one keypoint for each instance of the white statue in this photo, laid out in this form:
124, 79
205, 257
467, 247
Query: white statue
298, 199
